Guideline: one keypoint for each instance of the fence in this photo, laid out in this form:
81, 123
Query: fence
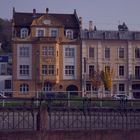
68, 114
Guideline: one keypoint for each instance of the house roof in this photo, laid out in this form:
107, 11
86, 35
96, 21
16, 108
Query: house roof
25, 19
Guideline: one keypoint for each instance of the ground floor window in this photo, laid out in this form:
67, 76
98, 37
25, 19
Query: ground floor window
47, 87
24, 88
122, 88
7, 84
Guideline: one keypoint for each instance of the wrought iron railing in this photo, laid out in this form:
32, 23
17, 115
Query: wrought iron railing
68, 114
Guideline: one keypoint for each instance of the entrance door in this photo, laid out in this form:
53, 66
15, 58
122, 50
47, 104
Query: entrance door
72, 89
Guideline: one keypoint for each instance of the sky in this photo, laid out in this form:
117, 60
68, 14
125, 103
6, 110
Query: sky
105, 14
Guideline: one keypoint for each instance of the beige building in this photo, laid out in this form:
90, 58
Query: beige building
46, 52
117, 50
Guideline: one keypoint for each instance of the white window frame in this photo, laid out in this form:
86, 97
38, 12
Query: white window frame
40, 32
44, 51
47, 87
24, 51
23, 33
24, 88
48, 51
69, 70
53, 32
51, 70
69, 52
24, 70
69, 34
44, 69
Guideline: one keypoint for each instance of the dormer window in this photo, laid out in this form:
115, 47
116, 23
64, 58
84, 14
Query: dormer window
24, 33
69, 34
40, 32
53, 32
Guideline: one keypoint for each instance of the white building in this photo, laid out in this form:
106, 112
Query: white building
117, 50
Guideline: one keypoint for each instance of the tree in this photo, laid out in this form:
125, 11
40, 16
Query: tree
96, 80
106, 77
5, 34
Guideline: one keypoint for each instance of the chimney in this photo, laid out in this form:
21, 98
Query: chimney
75, 11
81, 22
47, 10
90, 25
34, 12
13, 10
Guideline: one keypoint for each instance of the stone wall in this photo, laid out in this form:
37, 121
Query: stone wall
73, 135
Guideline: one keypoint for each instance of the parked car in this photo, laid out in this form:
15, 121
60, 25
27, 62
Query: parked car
121, 97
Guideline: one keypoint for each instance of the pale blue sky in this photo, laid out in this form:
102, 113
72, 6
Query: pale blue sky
105, 14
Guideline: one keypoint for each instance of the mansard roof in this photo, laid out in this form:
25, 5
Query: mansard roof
110, 35
25, 19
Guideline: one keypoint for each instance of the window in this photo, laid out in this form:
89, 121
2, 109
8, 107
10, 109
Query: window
23, 33
24, 52
91, 70
54, 32
47, 87
121, 70
24, 88
91, 52
121, 87
121, 52
48, 69
44, 51
51, 51
69, 34
137, 72
44, 69
3, 69
69, 52
51, 69
24, 70
137, 52
7, 84
107, 52
88, 87
69, 70
40, 32
48, 51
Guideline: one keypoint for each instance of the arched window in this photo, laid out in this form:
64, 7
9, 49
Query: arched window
69, 34
47, 87
24, 88
24, 33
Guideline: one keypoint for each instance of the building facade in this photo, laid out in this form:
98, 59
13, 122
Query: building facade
117, 50
46, 52
5, 73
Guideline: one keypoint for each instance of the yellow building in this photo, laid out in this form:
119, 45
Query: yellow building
46, 52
